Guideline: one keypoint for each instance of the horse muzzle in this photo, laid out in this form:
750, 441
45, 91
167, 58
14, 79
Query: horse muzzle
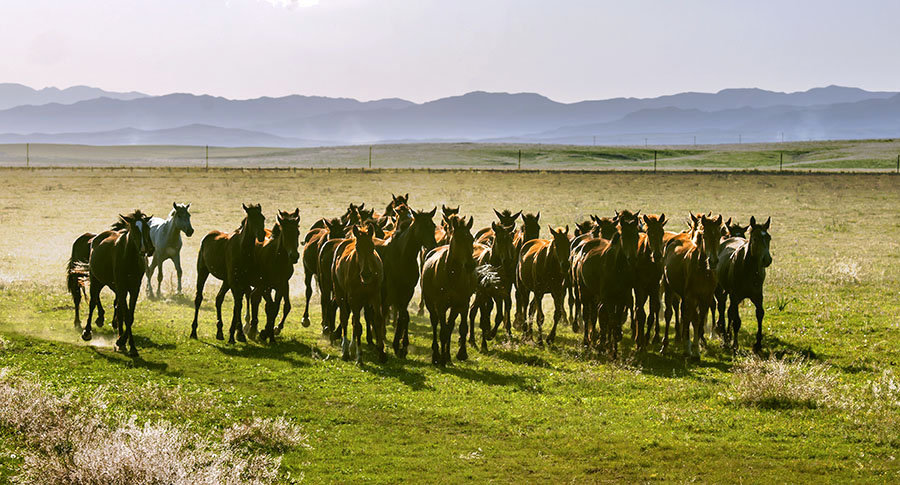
189, 232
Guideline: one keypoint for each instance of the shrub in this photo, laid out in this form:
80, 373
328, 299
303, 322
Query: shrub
784, 383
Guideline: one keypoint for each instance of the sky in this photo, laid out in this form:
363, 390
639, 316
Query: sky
568, 50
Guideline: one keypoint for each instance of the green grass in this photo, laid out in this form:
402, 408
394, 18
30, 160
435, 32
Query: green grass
518, 412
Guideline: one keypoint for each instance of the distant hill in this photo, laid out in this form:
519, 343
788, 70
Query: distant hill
751, 114
12, 95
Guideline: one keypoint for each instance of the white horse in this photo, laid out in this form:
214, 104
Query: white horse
166, 236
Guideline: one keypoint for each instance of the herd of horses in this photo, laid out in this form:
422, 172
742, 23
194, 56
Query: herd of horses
367, 266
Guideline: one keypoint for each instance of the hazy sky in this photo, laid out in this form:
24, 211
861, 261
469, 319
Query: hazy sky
425, 49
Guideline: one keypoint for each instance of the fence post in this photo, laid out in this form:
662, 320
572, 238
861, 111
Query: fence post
898, 163
27, 155
654, 161
370, 156
781, 161
207, 158
520, 159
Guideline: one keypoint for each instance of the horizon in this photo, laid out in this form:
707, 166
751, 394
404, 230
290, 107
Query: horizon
426, 50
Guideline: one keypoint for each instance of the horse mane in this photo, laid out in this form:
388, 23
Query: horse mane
121, 224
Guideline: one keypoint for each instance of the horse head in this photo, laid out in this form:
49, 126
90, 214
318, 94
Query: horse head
336, 228
182, 217
583, 227
759, 241
531, 226
709, 237
255, 221
560, 247
289, 223
138, 223
607, 226
369, 270
627, 228
734, 229
461, 241
507, 218
423, 227
503, 245
655, 230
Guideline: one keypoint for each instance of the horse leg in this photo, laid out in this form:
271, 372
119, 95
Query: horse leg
345, 344
734, 319
150, 267
86, 334
760, 313
435, 348
202, 274
699, 325
472, 313
461, 354
488, 332
121, 310
101, 313
251, 327
236, 332
129, 319
640, 317
379, 325
538, 309
176, 260
559, 312
220, 298
159, 278
653, 323
370, 331
446, 336
421, 311
721, 301
286, 309
401, 339
307, 278
76, 298
327, 313
271, 310
521, 304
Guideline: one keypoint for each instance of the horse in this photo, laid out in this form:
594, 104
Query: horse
399, 254
648, 277
531, 229
733, 229
357, 276
441, 237
166, 235
117, 260
274, 260
506, 219
314, 240
543, 266
600, 227
448, 282
396, 200
229, 257
741, 272
325, 260
496, 270
690, 276
605, 275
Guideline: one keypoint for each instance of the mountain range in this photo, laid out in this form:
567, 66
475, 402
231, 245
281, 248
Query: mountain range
93, 116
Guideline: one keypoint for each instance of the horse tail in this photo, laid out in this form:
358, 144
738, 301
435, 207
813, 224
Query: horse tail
488, 279
77, 270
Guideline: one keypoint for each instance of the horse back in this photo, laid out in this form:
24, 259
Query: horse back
213, 250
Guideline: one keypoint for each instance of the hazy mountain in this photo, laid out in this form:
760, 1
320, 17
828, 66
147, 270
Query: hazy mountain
183, 135
12, 95
713, 117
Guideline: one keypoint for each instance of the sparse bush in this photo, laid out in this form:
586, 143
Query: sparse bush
845, 271
74, 446
784, 383
277, 434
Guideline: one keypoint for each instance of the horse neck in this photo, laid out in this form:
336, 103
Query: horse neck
246, 240
132, 244
169, 231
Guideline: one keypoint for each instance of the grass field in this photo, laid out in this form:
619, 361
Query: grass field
829, 411
846, 155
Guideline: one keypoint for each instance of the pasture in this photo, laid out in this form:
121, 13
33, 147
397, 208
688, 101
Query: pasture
829, 405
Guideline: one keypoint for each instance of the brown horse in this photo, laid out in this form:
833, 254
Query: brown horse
496, 271
448, 282
506, 219
690, 277
274, 260
531, 229
229, 257
357, 276
326, 285
741, 272
76, 276
441, 237
648, 277
118, 261
601, 227
315, 239
605, 274
396, 200
543, 267
401, 271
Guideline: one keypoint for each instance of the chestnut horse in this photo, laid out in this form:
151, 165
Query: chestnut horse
118, 261
399, 255
448, 282
496, 271
357, 276
531, 229
543, 267
690, 276
506, 219
229, 257
315, 239
601, 227
605, 275
742, 272
274, 260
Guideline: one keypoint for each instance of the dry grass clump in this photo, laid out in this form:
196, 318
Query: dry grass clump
845, 271
72, 445
784, 383
277, 434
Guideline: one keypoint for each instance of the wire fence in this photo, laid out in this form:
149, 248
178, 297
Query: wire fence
868, 156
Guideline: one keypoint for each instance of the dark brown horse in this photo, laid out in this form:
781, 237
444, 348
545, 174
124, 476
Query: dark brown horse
448, 282
600, 227
741, 272
506, 219
274, 259
315, 239
690, 277
648, 277
229, 257
605, 274
118, 260
531, 229
496, 271
441, 237
357, 275
399, 255
543, 267
396, 200
76, 276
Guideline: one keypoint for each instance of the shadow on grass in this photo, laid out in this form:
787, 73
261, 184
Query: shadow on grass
280, 350
121, 359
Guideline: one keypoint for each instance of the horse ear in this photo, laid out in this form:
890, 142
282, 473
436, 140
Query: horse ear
768, 221
662, 219
728, 222
355, 231
188, 206
174, 205
752, 221
497, 213
567, 229
433, 211
517, 215
646, 219
538, 216
719, 219
244, 206
407, 196
552, 232
693, 217
471, 222
637, 213
297, 212
495, 227
361, 206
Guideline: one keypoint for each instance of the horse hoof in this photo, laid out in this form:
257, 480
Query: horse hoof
194, 335
241, 337
401, 353
133, 352
99, 323
278, 330
345, 357
220, 336
382, 357
86, 335
231, 341
757, 348
484, 348
462, 355
305, 322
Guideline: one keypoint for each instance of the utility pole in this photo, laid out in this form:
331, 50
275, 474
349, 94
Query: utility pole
595, 140
645, 142
370, 156
654, 161
898, 163
207, 158
740, 138
27, 155
782, 137
520, 159
781, 161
